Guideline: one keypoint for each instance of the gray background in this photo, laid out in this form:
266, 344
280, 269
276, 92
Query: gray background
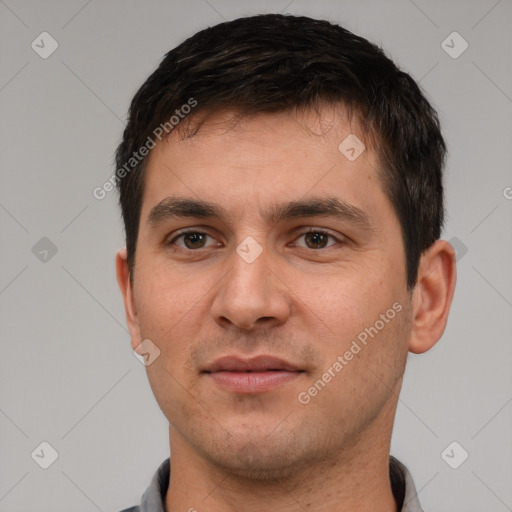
67, 372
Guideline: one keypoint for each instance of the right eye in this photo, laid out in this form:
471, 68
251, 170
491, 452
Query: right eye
192, 240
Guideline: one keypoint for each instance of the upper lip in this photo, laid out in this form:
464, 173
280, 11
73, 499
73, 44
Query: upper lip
260, 363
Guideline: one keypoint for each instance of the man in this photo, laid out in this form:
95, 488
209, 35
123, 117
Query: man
281, 187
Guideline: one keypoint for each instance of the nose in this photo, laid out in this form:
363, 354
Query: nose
252, 294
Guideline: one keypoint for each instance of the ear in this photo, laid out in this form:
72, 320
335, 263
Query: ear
432, 296
125, 285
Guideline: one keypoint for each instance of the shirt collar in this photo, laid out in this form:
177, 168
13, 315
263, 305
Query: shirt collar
401, 480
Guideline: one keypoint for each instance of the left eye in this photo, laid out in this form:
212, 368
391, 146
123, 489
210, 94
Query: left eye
316, 238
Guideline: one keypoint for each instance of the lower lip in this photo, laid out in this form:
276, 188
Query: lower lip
252, 382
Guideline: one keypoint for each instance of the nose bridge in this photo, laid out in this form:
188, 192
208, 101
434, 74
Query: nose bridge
250, 291
250, 266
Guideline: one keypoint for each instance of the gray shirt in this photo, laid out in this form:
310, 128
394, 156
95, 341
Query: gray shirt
404, 491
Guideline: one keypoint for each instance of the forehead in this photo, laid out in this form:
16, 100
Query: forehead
244, 164
324, 126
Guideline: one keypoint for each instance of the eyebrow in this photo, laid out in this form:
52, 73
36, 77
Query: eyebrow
183, 207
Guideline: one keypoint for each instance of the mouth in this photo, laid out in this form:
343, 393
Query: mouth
254, 375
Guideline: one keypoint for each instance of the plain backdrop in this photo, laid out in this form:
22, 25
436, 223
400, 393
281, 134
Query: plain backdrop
68, 376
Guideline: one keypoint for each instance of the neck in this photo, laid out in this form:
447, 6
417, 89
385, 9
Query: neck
356, 479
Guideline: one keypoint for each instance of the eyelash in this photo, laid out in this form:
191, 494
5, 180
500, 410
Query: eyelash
311, 230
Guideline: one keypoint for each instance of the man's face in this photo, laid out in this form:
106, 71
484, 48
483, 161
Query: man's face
304, 299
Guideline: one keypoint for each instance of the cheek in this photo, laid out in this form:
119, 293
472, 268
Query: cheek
345, 302
166, 318
363, 318
367, 359
162, 296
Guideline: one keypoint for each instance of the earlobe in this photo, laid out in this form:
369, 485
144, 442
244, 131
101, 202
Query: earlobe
125, 285
432, 296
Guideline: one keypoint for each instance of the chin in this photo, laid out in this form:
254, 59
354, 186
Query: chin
260, 460
254, 468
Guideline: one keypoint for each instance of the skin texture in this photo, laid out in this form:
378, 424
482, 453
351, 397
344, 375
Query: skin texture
301, 299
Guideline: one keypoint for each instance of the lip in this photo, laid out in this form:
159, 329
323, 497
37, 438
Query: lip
260, 363
251, 375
